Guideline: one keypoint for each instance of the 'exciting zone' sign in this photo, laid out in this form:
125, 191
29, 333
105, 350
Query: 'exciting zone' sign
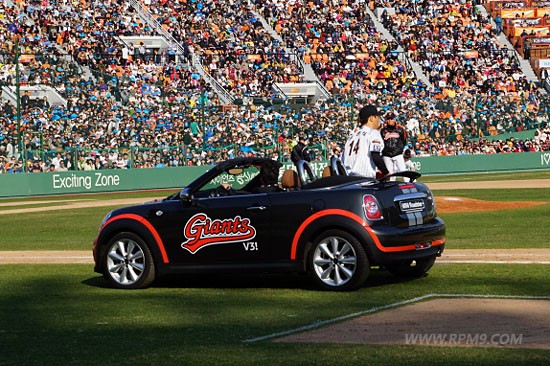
97, 180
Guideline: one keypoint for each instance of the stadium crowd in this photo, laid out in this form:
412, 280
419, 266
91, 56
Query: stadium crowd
340, 42
234, 47
143, 109
456, 46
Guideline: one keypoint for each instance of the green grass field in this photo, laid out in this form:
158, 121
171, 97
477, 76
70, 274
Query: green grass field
467, 230
55, 314
64, 314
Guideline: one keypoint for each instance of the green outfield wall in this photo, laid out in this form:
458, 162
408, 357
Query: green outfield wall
109, 180
40, 184
483, 163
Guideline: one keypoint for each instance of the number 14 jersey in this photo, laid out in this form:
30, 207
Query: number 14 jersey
357, 153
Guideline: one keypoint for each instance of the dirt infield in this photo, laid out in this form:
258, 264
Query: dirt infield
519, 256
445, 322
460, 204
46, 257
496, 184
71, 204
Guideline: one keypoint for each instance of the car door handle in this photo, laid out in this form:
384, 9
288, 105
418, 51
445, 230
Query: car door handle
256, 208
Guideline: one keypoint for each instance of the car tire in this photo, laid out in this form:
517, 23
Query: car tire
411, 269
128, 263
338, 262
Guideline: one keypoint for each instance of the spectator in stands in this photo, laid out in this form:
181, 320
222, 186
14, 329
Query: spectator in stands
498, 24
300, 151
527, 49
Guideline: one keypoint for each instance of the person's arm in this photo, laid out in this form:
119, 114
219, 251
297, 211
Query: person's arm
379, 162
404, 135
376, 146
305, 154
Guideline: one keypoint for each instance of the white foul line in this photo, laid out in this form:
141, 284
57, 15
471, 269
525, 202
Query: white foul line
384, 307
473, 261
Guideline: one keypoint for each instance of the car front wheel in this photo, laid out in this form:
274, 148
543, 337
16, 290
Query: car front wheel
338, 262
412, 269
128, 262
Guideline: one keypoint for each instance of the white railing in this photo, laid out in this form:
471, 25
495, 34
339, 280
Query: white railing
195, 60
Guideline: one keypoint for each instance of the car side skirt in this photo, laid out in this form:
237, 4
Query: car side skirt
282, 267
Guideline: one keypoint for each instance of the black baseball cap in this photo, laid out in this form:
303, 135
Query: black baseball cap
367, 111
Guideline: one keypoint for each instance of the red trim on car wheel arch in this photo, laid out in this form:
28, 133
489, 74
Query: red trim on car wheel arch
148, 225
356, 218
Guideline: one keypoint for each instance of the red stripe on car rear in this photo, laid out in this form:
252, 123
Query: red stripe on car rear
438, 242
149, 227
407, 186
356, 218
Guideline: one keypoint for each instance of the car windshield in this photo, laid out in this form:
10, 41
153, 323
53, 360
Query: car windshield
237, 179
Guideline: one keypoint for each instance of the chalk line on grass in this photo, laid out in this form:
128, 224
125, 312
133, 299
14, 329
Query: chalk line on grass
385, 307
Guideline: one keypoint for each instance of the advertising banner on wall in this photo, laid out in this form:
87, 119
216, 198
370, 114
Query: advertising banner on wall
81, 182
518, 13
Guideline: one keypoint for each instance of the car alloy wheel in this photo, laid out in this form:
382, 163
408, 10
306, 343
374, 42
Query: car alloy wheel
338, 261
128, 262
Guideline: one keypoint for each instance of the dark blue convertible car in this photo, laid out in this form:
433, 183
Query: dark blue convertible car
249, 215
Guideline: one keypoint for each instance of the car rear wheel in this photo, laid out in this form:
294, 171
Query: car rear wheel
412, 269
128, 262
338, 262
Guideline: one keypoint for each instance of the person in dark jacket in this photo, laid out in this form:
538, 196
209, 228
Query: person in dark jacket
300, 151
25, 100
395, 139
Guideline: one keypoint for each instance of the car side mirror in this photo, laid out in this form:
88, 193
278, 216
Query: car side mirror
185, 195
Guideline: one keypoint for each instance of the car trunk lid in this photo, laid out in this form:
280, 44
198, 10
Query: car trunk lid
408, 204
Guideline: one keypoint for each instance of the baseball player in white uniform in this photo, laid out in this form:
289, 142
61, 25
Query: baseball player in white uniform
408, 163
362, 153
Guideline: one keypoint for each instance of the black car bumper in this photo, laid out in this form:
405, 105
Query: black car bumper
392, 244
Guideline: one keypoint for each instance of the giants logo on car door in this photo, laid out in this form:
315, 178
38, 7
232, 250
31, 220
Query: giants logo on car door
202, 231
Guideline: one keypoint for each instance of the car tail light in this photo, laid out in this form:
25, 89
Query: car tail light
424, 245
431, 198
371, 207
